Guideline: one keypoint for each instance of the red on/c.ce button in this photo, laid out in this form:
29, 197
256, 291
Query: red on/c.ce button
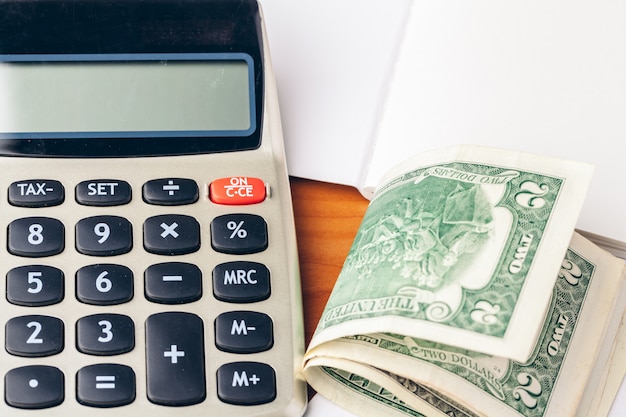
237, 190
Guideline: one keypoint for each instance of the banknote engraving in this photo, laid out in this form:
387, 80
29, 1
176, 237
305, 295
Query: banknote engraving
523, 387
369, 389
380, 395
450, 244
445, 404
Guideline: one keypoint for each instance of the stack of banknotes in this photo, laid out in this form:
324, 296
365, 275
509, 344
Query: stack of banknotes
468, 292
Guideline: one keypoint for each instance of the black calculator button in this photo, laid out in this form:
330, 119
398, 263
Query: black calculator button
173, 283
34, 336
241, 282
239, 234
36, 193
171, 234
103, 193
244, 332
34, 387
105, 385
104, 284
170, 191
105, 334
104, 236
36, 237
35, 285
246, 383
175, 359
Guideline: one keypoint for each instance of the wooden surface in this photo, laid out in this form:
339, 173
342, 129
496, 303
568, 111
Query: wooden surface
327, 217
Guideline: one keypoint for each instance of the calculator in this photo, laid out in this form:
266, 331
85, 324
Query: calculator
148, 259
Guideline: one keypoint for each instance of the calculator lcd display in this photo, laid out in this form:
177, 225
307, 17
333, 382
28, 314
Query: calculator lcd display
127, 95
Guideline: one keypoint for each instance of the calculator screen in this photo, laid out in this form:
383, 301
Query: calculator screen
127, 96
126, 79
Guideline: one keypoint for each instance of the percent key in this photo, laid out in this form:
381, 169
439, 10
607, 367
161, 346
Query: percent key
239, 234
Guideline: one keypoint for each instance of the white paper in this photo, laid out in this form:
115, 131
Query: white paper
332, 61
619, 405
542, 76
321, 407
547, 77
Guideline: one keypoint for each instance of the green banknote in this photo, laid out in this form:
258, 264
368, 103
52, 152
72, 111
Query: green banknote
366, 398
460, 251
427, 378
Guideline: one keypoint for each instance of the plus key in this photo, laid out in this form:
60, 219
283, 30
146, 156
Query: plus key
175, 352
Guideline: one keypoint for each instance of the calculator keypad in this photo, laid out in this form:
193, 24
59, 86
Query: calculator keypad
174, 342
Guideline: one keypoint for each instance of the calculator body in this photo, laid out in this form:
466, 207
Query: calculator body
147, 270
